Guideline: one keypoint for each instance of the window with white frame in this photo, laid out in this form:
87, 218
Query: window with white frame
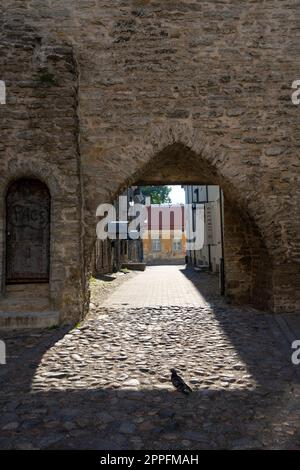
177, 245
156, 246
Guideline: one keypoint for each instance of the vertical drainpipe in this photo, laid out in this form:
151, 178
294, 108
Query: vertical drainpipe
194, 223
222, 264
208, 245
117, 241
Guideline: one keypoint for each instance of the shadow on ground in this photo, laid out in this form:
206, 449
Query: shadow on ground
77, 415
109, 419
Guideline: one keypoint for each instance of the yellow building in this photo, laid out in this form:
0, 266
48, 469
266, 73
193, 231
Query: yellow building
164, 236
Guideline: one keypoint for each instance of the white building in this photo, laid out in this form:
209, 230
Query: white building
211, 254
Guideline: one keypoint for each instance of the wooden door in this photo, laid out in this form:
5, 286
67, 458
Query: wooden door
27, 232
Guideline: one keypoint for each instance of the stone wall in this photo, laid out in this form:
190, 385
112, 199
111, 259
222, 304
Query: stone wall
173, 91
39, 139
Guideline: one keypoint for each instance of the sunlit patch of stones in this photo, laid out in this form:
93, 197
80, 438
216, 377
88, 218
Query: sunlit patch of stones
135, 348
106, 384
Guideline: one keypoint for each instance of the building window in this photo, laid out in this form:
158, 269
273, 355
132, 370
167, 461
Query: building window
156, 245
177, 245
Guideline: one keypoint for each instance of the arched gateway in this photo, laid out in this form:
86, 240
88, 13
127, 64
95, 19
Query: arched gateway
158, 93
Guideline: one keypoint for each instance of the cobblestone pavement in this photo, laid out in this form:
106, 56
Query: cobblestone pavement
165, 285
105, 285
105, 385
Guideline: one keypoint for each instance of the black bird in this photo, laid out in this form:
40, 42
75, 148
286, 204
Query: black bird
179, 383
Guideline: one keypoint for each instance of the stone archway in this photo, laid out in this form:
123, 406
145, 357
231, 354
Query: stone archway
229, 107
248, 264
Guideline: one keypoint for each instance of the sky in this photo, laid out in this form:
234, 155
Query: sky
177, 195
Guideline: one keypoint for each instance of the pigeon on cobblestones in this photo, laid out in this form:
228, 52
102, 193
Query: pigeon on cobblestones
179, 383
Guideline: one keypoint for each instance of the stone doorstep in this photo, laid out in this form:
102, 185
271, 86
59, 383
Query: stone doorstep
24, 305
134, 266
28, 319
27, 290
34, 298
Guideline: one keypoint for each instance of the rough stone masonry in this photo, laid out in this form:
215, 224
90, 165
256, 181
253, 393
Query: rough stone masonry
102, 94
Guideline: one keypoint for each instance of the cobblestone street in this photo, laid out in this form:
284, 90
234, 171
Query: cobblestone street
105, 384
166, 285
